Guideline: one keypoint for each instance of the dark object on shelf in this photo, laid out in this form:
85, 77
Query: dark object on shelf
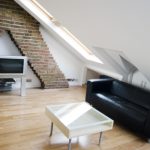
6, 84
125, 103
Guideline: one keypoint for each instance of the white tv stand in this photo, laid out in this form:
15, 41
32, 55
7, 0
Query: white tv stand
22, 79
21, 75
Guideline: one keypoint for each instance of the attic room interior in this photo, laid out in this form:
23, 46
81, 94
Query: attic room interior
74, 75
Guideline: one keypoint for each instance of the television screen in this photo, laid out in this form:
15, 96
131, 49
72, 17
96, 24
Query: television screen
8, 65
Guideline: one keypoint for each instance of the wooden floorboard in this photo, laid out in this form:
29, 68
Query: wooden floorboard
24, 125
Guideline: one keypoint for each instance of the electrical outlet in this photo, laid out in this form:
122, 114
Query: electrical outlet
28, 80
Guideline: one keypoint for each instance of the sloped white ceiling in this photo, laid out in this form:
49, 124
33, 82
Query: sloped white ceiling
120, 25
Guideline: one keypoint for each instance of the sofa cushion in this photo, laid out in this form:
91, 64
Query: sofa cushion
120, 108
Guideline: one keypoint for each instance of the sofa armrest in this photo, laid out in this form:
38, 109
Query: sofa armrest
97, 85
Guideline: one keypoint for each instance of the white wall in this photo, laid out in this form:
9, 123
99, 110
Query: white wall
140, 80
119, 24
68, 63
7, 48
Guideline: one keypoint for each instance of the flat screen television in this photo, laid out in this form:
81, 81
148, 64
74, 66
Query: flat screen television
13, 65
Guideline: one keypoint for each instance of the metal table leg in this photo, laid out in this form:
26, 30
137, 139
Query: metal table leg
100, 138
51, 130
69, 144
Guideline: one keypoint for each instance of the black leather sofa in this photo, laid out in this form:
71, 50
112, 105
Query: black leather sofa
125, 103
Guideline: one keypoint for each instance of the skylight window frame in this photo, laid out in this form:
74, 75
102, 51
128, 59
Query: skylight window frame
61, 30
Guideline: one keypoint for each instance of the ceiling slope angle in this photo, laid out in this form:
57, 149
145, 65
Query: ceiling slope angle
118, 65
118, 25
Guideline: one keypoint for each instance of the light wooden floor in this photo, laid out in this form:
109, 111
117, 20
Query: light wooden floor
24, 125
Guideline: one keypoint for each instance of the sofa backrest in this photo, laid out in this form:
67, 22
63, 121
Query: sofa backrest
131, 93
122, 89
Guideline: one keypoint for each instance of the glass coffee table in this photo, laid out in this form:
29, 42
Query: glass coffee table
77, 119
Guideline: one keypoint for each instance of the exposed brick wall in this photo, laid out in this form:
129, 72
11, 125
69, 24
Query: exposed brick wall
24, 31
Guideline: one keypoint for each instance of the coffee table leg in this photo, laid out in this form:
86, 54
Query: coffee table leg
69, 144
51, 131
100, 138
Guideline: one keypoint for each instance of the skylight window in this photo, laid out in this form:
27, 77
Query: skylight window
61, 31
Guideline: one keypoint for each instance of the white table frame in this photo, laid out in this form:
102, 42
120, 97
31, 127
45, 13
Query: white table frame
96, 127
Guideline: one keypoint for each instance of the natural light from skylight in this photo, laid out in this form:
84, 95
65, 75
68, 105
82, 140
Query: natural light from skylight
50, 21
